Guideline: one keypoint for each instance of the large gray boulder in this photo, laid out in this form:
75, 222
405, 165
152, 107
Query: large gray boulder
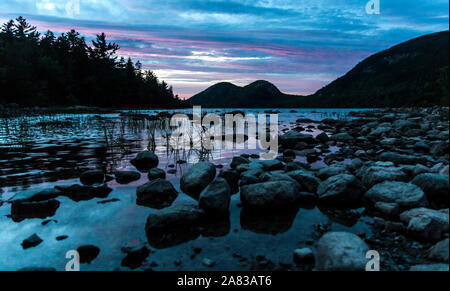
405, 195
341, 251
377, 174
157, 194
197, 178
436, 188
426, 224
215, 198
270, 195
145, 161
340, 190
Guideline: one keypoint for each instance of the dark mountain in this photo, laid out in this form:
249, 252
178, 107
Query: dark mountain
256, 94
413, 73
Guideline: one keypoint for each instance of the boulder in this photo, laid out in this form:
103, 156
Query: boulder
135, 257
232, 178
92, 177
341, 251
125, 177
238, 161
376, 174
342, 137
197, 178
323, 137
439, 252
88, 253
31, 242
156, 173
292, 137
145, 161
397, 158
406, 195
306, 179
333, 170
340, 190
272, 165
436, 188
157, 194
83, 193
270, 195
215, 198
426, 224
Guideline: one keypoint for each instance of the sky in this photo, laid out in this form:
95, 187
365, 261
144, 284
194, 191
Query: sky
299, 45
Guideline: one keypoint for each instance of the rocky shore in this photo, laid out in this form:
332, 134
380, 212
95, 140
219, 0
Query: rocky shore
390, 165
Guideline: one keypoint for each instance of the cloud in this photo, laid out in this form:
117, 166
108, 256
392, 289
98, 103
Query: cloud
300, 45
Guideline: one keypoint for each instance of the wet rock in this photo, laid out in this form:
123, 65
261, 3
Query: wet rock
402, 158
420, 169
306, 179
340, 190
61, 237
342, 137
341, 251
390, 209
215, 198
333, 170
88, 253
426, 224
156, 173
323, 137
197, 177
238, 161
21, 209
377, 174
436, 188
432, 267
125, 177
43, 195
253, 166
270, 195
272, 165
292, 137
303, 256
92, 177
157, 194
439, 252
288, 156
232, 178
406, 195
145, 161
135, 257
174, 225
31, 242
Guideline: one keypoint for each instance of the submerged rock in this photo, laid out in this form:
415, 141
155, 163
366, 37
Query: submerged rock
82, 193
92, 177
215, 198
341, 251
21, 209
405, 195
31, 242
135, 257
145, 160
197, 177
270, 195
436, 188
125, 177
340, 190
157, 194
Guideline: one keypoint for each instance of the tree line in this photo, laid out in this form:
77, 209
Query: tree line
49, 70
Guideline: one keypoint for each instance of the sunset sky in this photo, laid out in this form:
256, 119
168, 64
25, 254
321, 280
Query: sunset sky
299, 45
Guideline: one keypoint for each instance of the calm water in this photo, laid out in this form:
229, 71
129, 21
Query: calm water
41, 152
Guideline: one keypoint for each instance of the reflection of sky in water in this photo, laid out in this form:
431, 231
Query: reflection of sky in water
110, 226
